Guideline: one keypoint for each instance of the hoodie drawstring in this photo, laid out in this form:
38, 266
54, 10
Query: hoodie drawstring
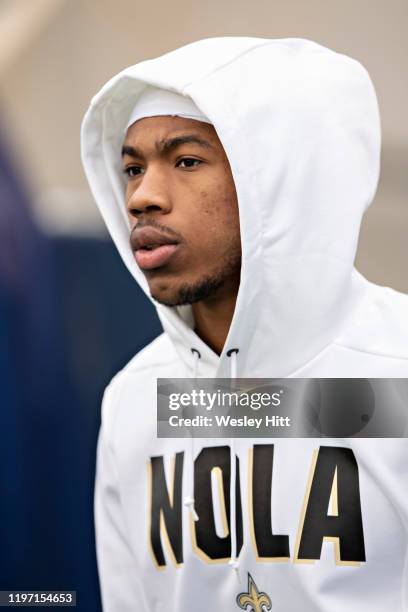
232, 353
234, 561
189, 503
197, 356
189, 499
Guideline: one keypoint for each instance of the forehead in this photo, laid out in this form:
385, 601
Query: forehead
151, 129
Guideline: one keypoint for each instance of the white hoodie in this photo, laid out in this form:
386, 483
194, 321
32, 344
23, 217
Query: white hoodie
300, 126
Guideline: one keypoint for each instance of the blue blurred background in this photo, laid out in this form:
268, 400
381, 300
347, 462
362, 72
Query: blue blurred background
70, 314
66, 304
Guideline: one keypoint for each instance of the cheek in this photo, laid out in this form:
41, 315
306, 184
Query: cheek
222, 208
218, 220
207, 215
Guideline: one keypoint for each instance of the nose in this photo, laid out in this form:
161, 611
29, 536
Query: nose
150, 193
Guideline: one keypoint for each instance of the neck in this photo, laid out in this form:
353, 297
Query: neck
213, 316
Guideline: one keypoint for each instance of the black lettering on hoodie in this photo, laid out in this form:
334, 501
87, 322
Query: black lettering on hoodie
335, 477
268, 545
166, 510
207, 540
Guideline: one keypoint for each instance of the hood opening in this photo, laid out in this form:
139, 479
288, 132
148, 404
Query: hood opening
299, 124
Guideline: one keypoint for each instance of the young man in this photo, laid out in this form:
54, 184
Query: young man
233, 174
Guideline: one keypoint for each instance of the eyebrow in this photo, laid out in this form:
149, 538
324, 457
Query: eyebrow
168, 144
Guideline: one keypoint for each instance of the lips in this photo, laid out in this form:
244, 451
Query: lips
152, 247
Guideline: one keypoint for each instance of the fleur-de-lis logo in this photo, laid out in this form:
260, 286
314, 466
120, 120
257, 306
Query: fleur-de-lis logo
259, 602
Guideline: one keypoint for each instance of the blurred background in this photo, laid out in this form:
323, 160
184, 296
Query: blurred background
66, 299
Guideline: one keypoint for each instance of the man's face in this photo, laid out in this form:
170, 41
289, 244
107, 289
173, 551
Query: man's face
183, 210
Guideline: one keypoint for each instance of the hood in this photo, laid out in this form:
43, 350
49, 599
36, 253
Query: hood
300, 126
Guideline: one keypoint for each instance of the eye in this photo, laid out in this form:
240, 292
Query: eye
190, 162
132, 171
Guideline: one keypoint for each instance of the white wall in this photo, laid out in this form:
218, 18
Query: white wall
46, 88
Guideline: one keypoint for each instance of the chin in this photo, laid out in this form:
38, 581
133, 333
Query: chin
188, 292
165, 291
167, 299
